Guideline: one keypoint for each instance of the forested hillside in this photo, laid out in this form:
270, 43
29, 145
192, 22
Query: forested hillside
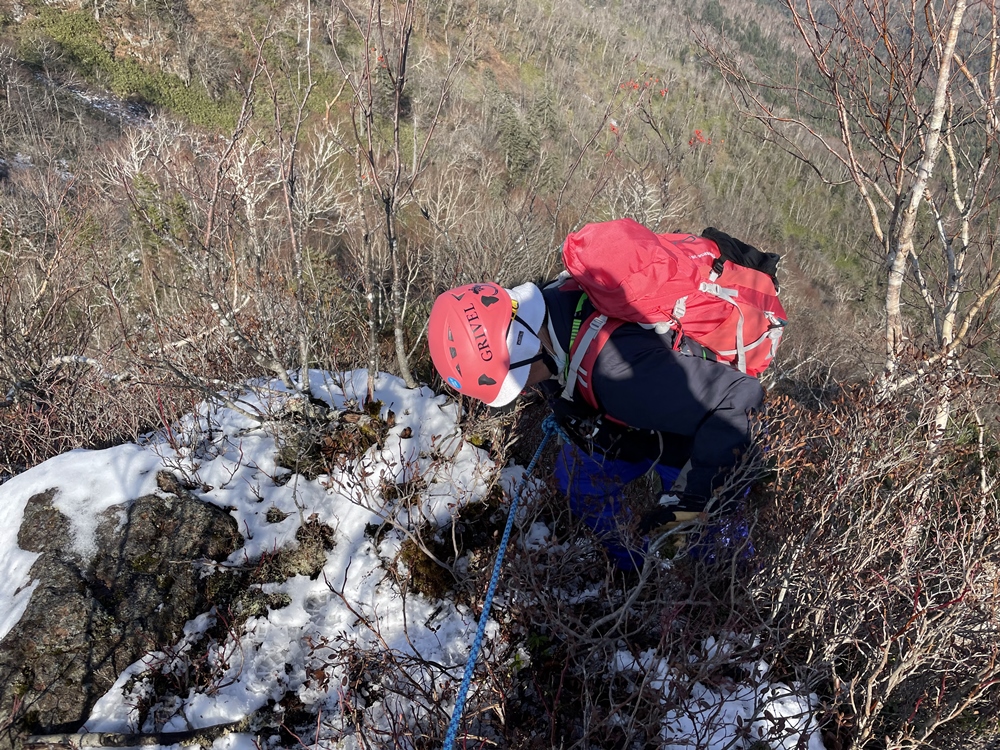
195, 196
285, 155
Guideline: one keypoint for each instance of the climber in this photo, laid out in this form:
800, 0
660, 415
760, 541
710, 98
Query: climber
664, 406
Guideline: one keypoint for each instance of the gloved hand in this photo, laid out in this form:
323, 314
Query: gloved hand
664, 520
660, 519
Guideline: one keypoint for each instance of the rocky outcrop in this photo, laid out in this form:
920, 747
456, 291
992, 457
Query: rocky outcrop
89, 619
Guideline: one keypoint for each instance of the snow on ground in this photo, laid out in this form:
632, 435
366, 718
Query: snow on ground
354, 608
758, 712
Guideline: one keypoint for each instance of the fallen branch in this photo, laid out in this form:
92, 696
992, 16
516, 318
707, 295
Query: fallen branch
113, 739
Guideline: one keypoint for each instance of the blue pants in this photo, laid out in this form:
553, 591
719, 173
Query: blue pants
594, 485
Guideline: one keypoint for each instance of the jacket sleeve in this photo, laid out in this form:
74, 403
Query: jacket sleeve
719, 443
646, 385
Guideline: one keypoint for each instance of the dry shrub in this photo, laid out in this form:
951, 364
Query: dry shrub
884, 607
78, 405
887, 602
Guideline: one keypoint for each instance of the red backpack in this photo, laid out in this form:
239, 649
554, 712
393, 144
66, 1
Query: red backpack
713, 289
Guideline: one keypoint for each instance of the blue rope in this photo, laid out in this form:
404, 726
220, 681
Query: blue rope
550, 426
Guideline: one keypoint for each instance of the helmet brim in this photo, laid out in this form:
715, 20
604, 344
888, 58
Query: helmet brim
522, 341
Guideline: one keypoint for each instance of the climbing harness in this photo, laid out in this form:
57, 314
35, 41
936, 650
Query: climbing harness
549, 425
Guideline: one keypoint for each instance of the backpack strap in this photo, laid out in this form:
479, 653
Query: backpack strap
755, 298
574, 359
583, 354
578, 317
731, 296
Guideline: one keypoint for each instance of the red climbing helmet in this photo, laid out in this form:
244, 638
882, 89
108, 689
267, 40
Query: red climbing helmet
483, 339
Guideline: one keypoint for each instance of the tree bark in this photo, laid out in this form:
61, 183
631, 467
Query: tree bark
895, 334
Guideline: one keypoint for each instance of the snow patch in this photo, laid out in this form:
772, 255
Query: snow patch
353, 611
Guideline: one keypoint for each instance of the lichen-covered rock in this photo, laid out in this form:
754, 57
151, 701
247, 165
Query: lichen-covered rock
89, 619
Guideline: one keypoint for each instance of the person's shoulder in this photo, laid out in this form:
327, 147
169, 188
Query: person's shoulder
562, 298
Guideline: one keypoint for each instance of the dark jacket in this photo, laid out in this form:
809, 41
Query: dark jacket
683, 410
